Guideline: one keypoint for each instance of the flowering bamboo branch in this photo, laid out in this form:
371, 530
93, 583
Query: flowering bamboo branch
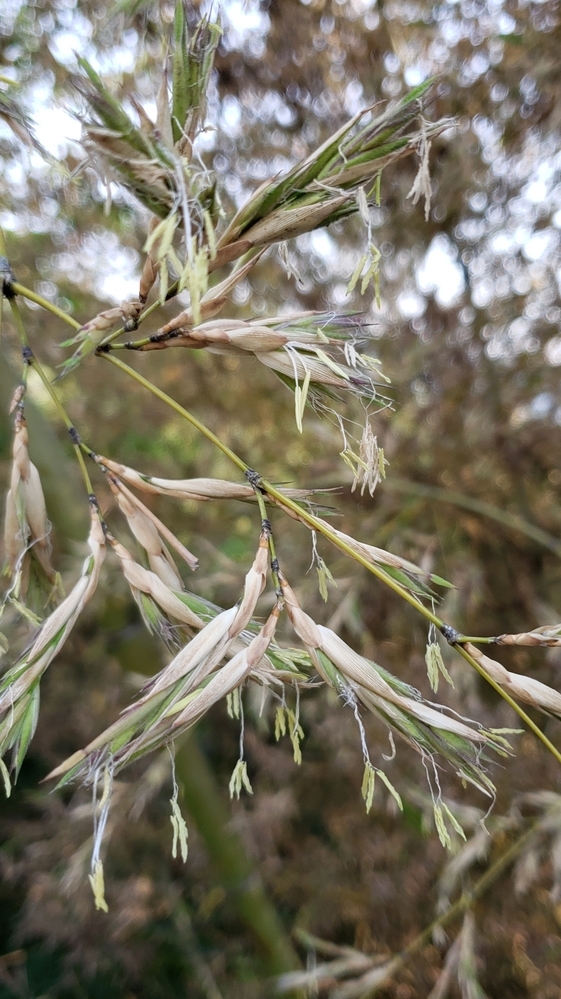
316, 524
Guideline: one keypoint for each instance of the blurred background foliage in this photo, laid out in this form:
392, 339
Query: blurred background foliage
468, 331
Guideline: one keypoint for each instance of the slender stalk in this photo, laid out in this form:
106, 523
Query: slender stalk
32, 296
314, 524
272, 549
32, 361
144, 315
69, 426
136, 345
178, 409
479, 640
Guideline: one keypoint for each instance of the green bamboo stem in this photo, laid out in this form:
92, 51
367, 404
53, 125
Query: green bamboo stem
226, 852
30, 359
178, 409
32, 296
317, 525
69, 425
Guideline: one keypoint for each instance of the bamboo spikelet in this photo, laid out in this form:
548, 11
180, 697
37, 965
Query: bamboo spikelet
19, 687
148, 531
34, 583
145, 582
429, 731
26, 514
90, 335
549, 636
522, 688
190, 668
312, 353
409, 575
201, 490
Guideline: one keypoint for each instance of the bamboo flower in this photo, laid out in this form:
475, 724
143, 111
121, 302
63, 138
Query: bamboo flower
201, 490
549, 636
409, 575
19, 687
148, 531
522, 688
190, 668
144, 581
353, 676
26, 525
90, 335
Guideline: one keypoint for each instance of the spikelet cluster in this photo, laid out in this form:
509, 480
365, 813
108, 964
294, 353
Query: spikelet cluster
19, 686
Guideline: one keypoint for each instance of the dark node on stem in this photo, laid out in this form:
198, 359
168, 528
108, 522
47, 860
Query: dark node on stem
7, 277
93, 501
164, 337
131, 325
130, 345
74, 436
275, 567
254, 479
266, 527
27, 354
451, 635
104, 348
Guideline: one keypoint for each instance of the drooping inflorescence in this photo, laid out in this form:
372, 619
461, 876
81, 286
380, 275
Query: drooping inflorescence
325, 360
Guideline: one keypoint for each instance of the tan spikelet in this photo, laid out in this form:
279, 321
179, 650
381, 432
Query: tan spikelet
254, 585
104, 321
522, 688
26, 513
360, 671
148, 530
150, 583
150, 268
58, 625
211, 640
229, 676
304, 626
549, 636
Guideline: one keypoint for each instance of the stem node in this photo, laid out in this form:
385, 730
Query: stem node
450, 634
7, 277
